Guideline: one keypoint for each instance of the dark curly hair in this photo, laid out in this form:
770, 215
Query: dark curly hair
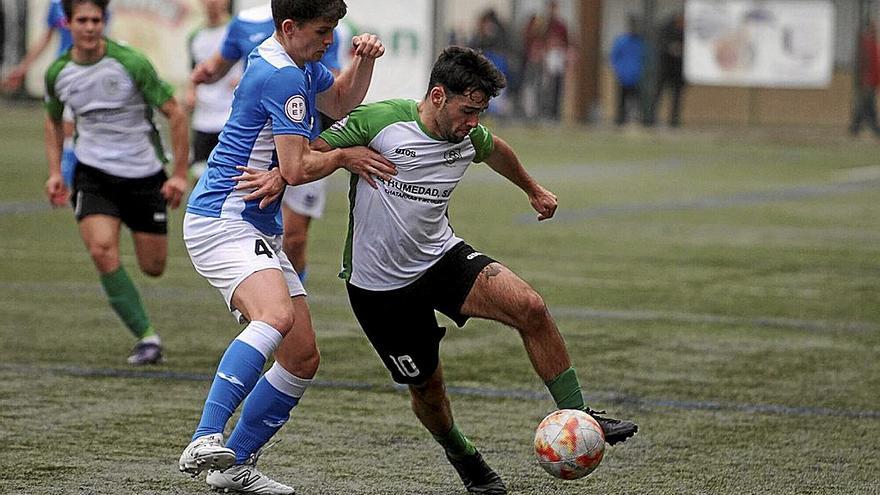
463, 70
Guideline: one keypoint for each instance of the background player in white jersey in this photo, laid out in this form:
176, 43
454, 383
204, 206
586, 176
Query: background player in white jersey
209, 103
402, 260
56, 22
120, 178
236, 244
301, 203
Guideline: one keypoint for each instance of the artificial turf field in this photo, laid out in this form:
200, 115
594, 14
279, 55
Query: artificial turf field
720, 288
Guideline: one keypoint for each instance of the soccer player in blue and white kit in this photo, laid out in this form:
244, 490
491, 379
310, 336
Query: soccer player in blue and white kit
300, 203
236, 243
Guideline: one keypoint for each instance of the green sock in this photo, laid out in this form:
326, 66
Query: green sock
566, 390
455, 443
125, 300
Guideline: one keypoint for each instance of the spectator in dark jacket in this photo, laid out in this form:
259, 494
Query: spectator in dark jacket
670, 74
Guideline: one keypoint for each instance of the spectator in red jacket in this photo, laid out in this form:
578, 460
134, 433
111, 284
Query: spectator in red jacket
865, 108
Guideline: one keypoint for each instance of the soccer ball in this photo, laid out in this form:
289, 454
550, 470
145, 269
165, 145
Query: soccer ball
569, 444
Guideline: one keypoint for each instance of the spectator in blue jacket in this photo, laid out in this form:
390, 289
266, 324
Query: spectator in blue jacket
627, 59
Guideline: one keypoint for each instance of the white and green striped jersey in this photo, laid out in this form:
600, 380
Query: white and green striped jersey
112, 101
399, 230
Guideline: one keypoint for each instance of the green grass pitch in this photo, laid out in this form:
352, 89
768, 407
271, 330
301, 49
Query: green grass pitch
721, 289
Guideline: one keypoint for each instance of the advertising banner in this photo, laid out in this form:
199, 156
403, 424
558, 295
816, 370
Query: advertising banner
759, 43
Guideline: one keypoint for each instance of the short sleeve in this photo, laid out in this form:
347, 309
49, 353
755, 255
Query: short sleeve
285, 98
55, 18
483, 143
231, 47
54, 106
353, 130
156, 91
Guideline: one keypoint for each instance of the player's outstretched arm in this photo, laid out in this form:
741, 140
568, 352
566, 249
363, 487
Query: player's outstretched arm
350, 88
211, 70
175, 187
54, 139
300, 163
504, 161
15, 78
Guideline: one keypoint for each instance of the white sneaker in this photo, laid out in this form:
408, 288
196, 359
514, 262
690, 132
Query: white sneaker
246, 478
206, 452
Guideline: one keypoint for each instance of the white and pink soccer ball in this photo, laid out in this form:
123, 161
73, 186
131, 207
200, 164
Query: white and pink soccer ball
569, 444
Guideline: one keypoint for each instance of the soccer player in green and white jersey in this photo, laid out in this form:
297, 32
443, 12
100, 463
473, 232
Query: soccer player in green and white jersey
120, 178
402, 257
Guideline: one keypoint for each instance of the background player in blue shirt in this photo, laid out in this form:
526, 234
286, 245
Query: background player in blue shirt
236, 243
56, 22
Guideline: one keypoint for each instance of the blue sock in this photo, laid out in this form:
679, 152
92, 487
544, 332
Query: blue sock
265, 411
236, 376
68, 166
303, 275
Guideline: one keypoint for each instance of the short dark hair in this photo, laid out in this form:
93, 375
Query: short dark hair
307, 10
67, 6
462, 70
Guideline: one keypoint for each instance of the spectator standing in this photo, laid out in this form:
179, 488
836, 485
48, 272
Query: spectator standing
627, 58
865, 108
491, 38
555, 61
532, 65
671, 76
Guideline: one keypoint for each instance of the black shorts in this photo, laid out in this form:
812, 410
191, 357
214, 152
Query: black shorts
137, 202
401, 323
203, 144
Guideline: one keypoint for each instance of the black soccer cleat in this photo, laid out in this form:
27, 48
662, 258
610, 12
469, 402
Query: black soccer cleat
146, 353
477, 476
616, 430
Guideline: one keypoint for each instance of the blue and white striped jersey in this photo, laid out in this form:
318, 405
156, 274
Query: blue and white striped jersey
274, 97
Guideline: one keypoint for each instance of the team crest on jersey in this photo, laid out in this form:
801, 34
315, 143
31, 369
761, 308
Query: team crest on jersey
111, 85
452, 156
295, 108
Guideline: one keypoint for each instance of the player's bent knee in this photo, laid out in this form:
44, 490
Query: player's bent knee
105, 256
532, 310
153, 268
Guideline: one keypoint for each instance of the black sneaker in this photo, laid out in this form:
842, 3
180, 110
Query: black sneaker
146, 353
476, 475
616, 430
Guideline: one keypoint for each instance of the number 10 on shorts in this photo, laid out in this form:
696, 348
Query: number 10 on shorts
405, 365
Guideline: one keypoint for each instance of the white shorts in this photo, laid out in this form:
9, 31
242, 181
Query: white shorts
307, 199
227, 251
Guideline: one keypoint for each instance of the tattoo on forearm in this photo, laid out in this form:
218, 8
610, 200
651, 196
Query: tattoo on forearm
491, 270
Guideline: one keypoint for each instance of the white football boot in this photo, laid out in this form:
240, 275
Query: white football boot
246, 478
206, 452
